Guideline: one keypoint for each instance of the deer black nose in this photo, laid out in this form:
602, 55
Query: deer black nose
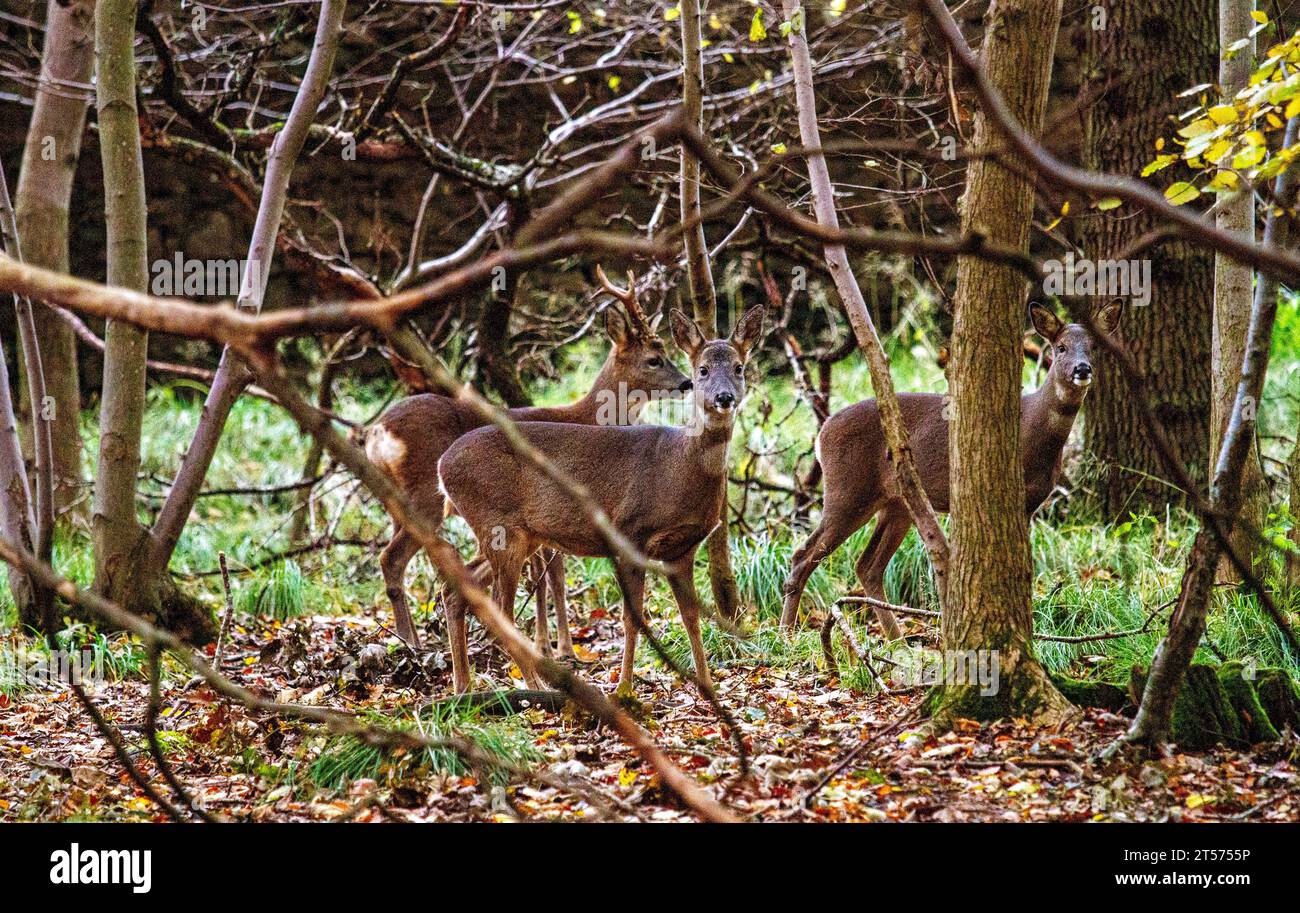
1083, 372
686, 386
724, 400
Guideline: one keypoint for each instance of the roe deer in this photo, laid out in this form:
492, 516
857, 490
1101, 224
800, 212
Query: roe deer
409, 438
859, 475
661, 486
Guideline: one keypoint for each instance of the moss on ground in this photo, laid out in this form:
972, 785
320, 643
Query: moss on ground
1091, 693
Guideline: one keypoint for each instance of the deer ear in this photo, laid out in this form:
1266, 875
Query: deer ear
1108, 317
749, 330
686, 333
617, 328
1046, 324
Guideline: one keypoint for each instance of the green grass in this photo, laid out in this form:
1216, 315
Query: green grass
346, 759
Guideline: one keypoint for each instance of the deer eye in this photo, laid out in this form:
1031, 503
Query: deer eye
704, 372
1061, 349
655, 362
740, 369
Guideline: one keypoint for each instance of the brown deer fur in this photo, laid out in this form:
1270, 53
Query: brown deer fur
661, 486
859, 478
407, 441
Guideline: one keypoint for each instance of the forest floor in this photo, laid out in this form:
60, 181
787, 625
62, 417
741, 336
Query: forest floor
817, 750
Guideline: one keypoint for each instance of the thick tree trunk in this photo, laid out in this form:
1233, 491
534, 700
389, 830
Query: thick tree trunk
1233, 294
117, 532
1149, 53
41, 201
699, 277
121, 543
1153, 724
988, 614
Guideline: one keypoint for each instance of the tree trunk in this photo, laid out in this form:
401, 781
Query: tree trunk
493, 332
35, 604
699, 277
117, 532
988, 616
1233, 295
41, 201
1153, 724
1149, 53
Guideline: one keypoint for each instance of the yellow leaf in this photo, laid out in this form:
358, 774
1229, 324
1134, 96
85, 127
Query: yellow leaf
671, 14
1259, 16
1108, 203
584, 655
1181, 192
1161, 161
1224, 180
1292, 107
1065, 208
1222, 114
757, 31
626, 777
1249, 158
1196, 800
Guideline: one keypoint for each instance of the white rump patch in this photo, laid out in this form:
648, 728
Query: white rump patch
384, 447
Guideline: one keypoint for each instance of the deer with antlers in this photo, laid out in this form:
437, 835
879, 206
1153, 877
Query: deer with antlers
660, 486
408, 440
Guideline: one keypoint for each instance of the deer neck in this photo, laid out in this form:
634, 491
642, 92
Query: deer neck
607, 402
706, 448
1047, 419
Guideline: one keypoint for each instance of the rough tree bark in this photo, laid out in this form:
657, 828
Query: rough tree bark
232, 374
41, 201
990, 578
1233, 294
1153, 725
699, 278
846, 285
116, 530
1145, 56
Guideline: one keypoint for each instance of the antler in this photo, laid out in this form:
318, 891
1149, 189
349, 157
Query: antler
627, 297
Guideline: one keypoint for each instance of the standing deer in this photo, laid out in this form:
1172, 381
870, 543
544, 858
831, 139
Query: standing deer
859, 475
661, 486
409, 438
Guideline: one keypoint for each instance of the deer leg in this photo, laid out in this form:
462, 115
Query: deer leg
508, 564
454, 610
555, 577
682, 581
537, 586
631, 581
826, 538
892, 526
393, 561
